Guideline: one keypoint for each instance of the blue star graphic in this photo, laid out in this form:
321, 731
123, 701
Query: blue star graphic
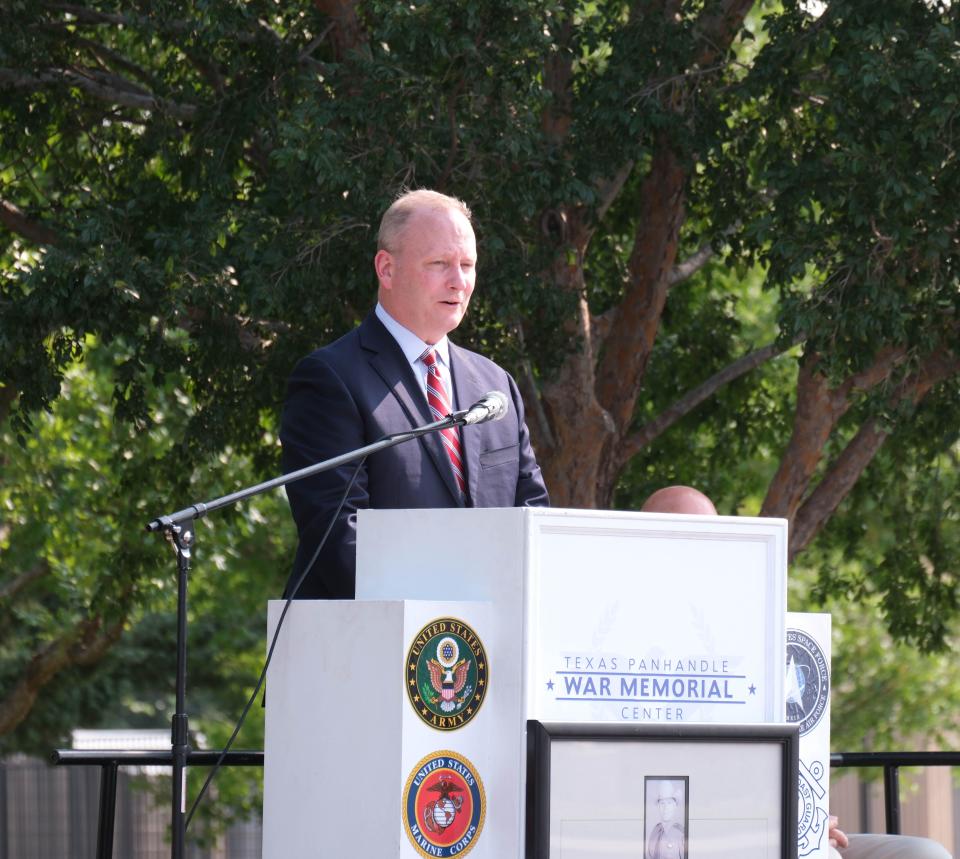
753, 689
550, 685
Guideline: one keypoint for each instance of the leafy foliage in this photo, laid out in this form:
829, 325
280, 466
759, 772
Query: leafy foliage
661, 191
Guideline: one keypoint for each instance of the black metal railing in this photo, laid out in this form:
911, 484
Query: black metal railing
110, 761
891, 763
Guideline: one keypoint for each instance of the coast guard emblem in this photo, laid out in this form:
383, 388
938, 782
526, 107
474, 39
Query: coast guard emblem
446, 674
807, 681
444, 805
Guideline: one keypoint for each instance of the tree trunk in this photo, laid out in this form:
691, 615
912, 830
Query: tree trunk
590, 404
576, 421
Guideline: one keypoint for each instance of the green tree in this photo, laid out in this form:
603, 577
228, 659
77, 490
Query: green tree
75, 499
719, 244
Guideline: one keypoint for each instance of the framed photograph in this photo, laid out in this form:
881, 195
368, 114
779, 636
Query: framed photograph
657, 791
665, 804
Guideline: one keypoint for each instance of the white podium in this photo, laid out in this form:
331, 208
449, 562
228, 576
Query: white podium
396, 722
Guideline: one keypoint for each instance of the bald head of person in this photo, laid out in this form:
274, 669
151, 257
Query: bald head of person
679, 499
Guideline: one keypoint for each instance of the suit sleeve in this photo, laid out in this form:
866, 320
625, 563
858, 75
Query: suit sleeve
321, 420
531, 490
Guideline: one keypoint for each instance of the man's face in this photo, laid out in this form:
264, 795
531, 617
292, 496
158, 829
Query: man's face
668, 808
427, 280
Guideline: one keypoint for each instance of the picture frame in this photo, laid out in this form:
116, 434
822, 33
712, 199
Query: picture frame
666, 821
659, 791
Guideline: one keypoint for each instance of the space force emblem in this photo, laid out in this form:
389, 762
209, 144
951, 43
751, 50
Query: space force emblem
807, 681
444, 805
446, 674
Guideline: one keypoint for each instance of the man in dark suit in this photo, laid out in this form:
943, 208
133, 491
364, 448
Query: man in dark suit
394, 372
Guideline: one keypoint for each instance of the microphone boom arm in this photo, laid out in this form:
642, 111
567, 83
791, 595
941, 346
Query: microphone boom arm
178, 527
201, 508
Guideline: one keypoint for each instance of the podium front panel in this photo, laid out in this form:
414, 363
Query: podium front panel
378, 733
650, 618
596, 616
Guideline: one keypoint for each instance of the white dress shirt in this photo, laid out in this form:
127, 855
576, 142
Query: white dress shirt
413, 348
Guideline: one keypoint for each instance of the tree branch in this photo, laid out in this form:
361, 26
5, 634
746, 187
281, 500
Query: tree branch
89, 16
718, 30
111, 80
557, 115
245, 328
17, 222
633, 331
18, 583
846, 470
819, 409
536, 415
84, 15
307, 53
107, 56
887, 359
176, 29
131, 97
840, 478
454, 147
609, 189
84, 645
348, 33
689, 401
696, 261
691, 265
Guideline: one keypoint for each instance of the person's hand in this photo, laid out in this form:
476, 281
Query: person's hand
837, 837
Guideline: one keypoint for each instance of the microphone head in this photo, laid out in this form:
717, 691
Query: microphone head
492, 406
499, 405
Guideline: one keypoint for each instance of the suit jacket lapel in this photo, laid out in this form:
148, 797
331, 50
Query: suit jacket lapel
468, 389
389, 362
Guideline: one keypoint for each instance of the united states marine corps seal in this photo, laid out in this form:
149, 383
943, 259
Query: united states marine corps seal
444, 805
446, 674
807, 681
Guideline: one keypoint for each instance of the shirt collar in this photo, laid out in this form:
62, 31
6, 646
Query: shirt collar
411, 345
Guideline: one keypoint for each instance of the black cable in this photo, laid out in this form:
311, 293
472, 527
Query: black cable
273, 644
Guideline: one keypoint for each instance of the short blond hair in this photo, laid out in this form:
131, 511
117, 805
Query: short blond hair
396, 217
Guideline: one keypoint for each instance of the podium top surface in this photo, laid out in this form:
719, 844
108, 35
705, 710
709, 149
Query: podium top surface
476, 553
560, 514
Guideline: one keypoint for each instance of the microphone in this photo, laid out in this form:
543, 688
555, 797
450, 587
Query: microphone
492, 406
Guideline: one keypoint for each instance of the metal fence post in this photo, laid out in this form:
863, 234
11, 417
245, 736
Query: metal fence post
891, 798
108, 809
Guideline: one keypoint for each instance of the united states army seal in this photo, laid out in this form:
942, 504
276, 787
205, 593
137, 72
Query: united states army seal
444, 805
446, 674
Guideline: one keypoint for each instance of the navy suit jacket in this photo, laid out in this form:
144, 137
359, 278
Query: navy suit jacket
352, 393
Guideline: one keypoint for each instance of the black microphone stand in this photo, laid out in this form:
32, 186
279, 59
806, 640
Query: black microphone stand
178, 528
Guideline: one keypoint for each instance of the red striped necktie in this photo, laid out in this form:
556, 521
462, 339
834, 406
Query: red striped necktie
440, 407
